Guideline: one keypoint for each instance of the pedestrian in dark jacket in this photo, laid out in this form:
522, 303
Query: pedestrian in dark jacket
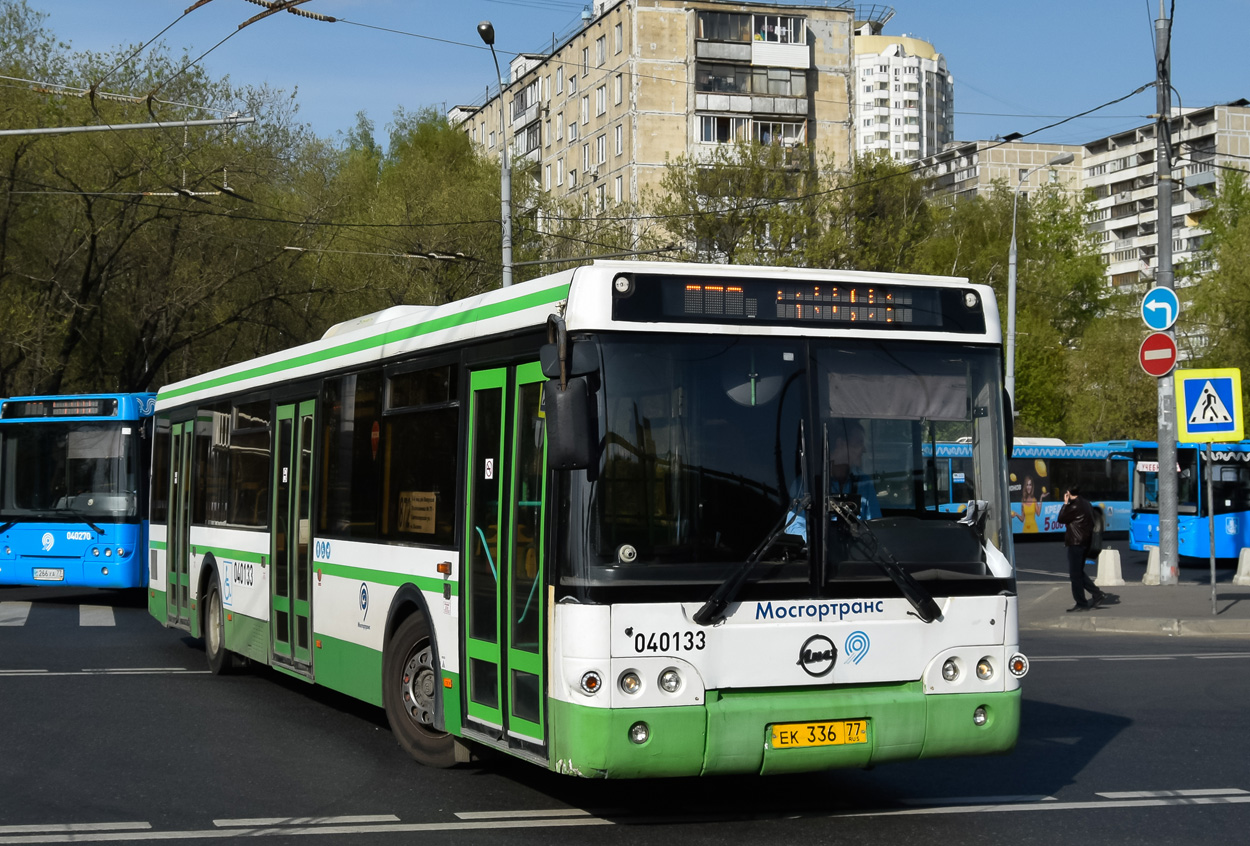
1077, 517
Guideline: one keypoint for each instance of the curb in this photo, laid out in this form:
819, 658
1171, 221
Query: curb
1170, 626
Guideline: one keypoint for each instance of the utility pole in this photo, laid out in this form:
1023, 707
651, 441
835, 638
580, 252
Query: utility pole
1168, 557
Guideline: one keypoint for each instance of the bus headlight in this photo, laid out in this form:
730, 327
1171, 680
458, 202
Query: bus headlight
639, 733
985, 670
950, 670
630, 683
95, 550
670, 680
108, 553
979, 716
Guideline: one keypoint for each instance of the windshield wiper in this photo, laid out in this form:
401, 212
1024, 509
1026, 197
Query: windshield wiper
713, 611
863, 537
82, 515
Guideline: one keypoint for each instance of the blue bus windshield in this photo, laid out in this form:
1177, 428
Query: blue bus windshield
71, 471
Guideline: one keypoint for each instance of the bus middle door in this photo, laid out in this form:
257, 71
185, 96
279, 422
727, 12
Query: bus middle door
291, 545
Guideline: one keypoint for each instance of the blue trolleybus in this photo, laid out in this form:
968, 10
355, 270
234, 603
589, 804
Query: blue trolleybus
73, 482
1039, 471
1230, 486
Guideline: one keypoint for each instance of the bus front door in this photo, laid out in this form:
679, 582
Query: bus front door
178, 539
505, 594
290, 618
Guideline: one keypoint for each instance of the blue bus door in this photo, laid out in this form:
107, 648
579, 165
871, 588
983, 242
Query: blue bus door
291, 539
506, 600
178, 578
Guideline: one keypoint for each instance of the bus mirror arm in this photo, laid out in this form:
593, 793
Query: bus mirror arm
713, 611
975, 515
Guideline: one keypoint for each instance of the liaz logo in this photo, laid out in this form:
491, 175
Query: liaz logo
78, 535
817, 656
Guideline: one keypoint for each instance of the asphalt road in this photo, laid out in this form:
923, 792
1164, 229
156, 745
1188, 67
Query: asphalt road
114, 732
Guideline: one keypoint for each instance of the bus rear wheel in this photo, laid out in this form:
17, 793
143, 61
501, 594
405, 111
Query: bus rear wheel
410, 680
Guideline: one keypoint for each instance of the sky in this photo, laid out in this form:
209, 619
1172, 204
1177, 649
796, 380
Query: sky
1018, 66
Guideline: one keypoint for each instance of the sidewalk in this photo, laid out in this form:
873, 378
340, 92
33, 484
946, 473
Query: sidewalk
1183, 609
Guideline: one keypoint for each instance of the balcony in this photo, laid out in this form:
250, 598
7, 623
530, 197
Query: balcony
773, 54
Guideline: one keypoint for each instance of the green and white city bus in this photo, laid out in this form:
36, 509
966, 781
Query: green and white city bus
628, 520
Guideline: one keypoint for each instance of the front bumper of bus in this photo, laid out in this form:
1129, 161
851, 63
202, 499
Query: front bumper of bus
731, 733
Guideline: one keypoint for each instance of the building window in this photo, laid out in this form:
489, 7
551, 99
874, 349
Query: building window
618, 89
585, 157
601, 50
492, 140
601, 197
548, 132
601, 99
780, 29
724, 26
585, 109
619, 188
559, 171
547, 178
560, 126
620, 139
559, 80
585, 60
789, 133
618, 38
572, 179
572, 85
601, 149
572, 131
723, 129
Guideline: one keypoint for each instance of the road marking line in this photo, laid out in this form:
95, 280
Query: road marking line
268, 821
1138, 658
510, 815
1054, 806
1045, 595
54, 835
1168, 655
67, 827
14, 613
96, 615
1151, 794
978, 800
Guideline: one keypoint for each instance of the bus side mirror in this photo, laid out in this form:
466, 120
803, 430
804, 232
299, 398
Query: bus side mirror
567, 411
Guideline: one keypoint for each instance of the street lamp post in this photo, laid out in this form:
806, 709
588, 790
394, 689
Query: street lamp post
487, 32
1011, 276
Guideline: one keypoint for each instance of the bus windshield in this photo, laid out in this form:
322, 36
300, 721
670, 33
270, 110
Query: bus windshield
69, 471
710, 446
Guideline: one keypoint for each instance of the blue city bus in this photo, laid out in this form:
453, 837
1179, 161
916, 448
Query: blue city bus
1230, 486
73, 490
1039, 471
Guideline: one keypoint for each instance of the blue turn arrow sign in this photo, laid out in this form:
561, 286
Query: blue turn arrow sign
1160, 308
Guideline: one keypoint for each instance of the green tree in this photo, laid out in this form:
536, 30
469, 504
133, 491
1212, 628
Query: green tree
742, 203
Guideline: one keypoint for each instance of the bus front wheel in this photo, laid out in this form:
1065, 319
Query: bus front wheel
220, 660
410, 680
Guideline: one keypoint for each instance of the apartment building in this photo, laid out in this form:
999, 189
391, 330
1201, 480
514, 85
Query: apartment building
966, 169
645, 81
1121, 171
904, 94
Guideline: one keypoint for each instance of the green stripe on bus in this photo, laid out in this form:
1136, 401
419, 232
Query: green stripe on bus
155, 544
383, 577
538, 298
232, 554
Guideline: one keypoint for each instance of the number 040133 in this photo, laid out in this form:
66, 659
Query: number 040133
828, 733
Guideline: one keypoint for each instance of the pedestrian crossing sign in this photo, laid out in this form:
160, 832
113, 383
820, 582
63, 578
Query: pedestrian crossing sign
1209, 405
